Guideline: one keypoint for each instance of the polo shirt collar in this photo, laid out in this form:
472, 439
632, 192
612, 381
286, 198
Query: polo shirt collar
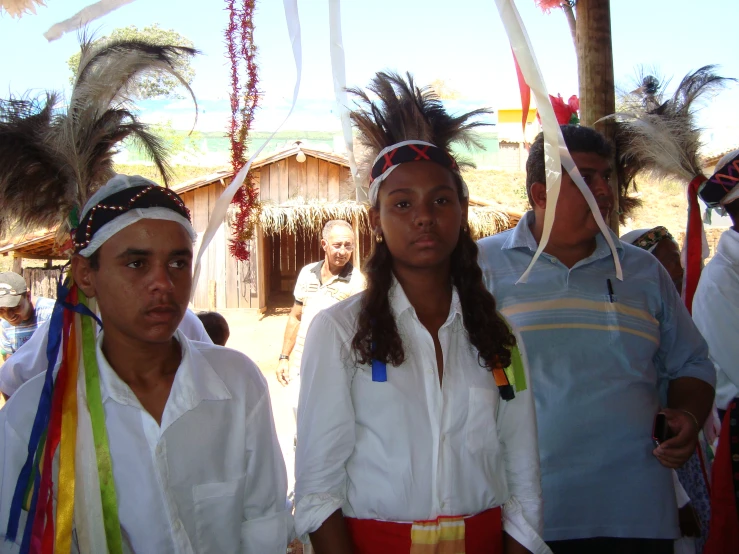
344, 275
522, 238
194, 382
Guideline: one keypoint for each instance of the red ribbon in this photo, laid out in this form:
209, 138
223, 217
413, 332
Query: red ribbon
693, 243
525, 91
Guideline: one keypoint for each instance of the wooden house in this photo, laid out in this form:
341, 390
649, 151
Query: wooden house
296, 198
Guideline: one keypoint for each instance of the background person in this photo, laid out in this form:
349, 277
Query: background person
216, 326
319, 285
716, 313
20, 315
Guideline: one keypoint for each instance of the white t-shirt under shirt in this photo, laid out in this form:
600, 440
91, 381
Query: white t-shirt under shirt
410, 448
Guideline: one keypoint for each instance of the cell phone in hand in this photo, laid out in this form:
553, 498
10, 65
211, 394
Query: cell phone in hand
661, 430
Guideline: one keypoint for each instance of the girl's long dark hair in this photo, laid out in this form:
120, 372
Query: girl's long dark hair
404, 111
377, 336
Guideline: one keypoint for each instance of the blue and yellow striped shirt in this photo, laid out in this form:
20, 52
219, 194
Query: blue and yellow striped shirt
595, 359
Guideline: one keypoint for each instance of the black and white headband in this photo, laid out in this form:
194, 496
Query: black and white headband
121, 202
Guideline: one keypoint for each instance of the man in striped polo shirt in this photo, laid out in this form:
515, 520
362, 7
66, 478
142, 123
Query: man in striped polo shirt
597, 347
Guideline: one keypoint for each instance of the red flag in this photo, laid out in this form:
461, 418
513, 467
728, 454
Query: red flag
525, 96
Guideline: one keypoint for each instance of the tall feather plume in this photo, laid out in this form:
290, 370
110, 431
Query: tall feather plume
53, 158
658, 137
404, 111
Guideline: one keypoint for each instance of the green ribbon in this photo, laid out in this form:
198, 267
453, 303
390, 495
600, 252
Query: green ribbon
100, 436
515, 372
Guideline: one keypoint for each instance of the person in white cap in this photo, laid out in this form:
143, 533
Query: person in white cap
21, 316
188, 427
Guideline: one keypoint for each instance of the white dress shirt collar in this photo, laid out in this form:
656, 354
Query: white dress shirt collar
194, 382
399, 302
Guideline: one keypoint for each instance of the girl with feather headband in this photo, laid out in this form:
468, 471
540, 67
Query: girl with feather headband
416, 426
142, 440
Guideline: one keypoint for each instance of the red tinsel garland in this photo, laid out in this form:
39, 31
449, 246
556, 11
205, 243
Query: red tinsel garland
243, 106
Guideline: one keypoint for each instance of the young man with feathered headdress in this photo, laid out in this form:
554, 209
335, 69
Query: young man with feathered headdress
598, 346
416, 425
139, 439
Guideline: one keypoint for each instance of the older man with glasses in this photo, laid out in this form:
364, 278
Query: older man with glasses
320, 285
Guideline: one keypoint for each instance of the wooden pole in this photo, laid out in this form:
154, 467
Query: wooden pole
595, 71
17, 265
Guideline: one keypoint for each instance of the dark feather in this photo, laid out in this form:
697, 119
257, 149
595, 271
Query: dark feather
660, 137
52, 160
404, 111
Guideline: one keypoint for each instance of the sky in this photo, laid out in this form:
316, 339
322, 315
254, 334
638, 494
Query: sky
461, 42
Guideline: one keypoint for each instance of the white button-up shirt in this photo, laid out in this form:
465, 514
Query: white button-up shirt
210, 479
410, 448
716, 314
30, 359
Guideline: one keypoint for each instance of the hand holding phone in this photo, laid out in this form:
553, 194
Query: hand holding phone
661, 430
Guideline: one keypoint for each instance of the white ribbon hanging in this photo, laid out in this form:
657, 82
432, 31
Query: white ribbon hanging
221, 208
338, 68
556, 154
83, 17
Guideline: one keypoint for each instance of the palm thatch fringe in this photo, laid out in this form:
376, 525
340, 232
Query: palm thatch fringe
310, 216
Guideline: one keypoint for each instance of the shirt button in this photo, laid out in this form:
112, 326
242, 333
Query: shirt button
177, 525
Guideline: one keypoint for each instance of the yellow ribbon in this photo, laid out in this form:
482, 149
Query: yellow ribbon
68, 441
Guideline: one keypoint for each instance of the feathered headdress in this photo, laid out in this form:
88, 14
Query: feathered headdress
661, 138
52, 160
404, 112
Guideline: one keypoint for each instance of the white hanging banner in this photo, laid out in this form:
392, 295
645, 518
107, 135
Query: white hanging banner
338, 68
221, 208
556, 154
83, 17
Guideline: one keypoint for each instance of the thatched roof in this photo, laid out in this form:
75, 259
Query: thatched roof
310, 216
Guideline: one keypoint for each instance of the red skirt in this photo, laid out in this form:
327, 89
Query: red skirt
723, 535
479, 534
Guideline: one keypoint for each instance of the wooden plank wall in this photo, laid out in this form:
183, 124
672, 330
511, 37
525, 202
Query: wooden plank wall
276, 259
42, 282
313, 179
235, 282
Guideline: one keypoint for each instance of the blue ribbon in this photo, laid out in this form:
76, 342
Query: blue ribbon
41, 421
379, 371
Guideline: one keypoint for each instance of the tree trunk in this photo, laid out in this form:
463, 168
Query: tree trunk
595, 71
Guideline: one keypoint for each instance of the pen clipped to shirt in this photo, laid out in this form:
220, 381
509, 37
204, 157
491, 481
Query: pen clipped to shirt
611, 297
